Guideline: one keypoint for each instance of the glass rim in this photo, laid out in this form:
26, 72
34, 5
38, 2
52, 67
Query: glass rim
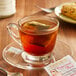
44, 30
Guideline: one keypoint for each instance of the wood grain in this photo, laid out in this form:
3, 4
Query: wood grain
67, 31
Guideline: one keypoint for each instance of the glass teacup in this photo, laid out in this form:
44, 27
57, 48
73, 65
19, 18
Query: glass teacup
37, 37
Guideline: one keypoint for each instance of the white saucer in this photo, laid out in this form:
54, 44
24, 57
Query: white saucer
65, 18
14, 58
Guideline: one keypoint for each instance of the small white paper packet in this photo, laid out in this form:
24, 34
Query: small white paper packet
66, 66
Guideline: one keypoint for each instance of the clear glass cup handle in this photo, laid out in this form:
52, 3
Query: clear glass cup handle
13, 32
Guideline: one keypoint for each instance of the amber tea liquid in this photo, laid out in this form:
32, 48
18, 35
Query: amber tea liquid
33, 38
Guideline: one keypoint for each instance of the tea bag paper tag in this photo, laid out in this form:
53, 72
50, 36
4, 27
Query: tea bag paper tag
15, 50
66, 66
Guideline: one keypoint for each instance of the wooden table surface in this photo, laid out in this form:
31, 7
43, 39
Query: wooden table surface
67, 31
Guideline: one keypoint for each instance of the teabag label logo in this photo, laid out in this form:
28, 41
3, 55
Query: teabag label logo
66, 66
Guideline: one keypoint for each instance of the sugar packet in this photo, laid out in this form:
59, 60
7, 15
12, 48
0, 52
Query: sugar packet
66, 66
